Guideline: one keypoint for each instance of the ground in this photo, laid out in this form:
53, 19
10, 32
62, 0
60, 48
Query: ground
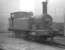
9, 43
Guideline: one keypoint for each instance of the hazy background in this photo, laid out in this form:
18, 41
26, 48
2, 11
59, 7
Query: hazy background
56, 9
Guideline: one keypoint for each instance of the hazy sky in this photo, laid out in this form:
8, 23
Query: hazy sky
36, 5
55, 7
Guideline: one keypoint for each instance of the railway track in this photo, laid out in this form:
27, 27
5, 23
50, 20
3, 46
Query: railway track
55, 43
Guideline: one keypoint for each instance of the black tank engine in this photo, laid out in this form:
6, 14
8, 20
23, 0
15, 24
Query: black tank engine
25, 26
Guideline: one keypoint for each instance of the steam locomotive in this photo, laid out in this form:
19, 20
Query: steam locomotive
24, 25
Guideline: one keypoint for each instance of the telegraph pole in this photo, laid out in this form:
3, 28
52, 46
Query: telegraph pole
64, 21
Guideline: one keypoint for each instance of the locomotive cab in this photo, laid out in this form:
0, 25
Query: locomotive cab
20, 21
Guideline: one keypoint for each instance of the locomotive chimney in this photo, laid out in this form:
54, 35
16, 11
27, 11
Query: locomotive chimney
44, 4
